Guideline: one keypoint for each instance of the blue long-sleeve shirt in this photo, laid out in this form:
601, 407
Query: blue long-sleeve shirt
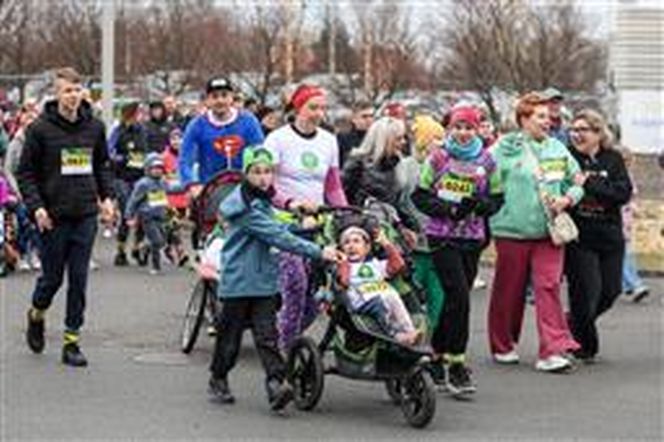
216, 147
148, 199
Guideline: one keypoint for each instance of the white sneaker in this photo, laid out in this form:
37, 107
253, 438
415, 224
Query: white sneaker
553, 364
94, 265
506, 358
23, 266
479, 283
35, 262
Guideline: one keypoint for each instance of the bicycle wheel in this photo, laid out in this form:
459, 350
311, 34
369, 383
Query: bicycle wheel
193, 317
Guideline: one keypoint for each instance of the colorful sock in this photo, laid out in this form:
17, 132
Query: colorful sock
455, 359
71, 337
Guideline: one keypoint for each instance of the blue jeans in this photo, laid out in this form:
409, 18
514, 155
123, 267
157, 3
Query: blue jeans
68, 245
630, 279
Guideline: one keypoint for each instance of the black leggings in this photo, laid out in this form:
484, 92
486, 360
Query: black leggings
456, 269
594, 280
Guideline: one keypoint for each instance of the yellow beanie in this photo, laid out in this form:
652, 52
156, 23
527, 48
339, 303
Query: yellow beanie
426, 130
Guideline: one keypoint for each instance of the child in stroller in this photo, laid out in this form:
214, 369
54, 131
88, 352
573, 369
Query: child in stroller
364, 277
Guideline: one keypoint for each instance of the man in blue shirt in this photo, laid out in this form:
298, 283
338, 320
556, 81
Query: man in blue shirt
215, 140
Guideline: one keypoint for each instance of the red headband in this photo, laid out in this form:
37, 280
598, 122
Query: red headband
303, 94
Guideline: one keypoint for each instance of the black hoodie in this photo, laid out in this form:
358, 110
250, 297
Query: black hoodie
64, 166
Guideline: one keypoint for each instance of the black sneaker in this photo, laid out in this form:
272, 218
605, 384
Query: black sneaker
120, 260
459, 381
280, 394
35, 334
437, 370
640, 294
219, 391
72, 355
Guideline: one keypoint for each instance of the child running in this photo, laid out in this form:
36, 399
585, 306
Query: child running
365, 277
248, 279
149, 206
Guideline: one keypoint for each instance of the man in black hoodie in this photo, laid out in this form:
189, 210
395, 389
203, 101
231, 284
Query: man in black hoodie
65, 178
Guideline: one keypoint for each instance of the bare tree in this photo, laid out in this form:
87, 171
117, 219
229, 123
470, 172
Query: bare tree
515, 46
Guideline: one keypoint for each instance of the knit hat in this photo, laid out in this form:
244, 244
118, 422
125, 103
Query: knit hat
395, 110
303, 94
468, 115
256, 155
426, 130
153, 159
357, 230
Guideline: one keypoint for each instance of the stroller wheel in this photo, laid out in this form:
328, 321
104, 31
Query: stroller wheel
194, 315
305, 372
394, 390
418, 402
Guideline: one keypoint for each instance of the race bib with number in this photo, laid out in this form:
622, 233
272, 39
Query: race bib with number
370, 289
157, 199
554, 169
454, 187
76, 161
136, 160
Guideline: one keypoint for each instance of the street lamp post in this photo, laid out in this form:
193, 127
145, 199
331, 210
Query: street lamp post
107, 60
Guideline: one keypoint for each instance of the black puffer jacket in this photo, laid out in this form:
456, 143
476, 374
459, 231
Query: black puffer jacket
362, 180
64, 166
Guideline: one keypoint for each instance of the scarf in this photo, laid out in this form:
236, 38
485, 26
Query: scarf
464, 152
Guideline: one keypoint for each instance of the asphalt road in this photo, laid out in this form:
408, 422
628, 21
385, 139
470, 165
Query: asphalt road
140, 387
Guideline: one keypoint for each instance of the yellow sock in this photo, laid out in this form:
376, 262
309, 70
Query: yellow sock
71, 337
37, 314
456, 359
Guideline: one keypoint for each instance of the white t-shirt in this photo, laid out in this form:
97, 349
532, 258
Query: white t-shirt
302, 163
367, 281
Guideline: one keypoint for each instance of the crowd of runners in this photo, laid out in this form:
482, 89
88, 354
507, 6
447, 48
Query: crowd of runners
551, 194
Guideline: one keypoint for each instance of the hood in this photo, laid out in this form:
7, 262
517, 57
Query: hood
51, 114
235, 204
511, 144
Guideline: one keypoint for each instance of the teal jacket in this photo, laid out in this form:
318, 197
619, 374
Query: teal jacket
522, 215
249, 257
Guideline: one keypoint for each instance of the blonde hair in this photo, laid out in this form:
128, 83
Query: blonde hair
382, 132
597, 122
68, 74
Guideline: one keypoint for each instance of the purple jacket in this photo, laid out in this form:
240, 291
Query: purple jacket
452, 179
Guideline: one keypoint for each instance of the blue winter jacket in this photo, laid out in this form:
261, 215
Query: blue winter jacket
249, 257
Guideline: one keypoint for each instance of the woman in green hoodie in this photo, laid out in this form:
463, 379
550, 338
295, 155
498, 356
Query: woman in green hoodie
537, 173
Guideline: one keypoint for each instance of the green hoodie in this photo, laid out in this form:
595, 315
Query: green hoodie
523, 215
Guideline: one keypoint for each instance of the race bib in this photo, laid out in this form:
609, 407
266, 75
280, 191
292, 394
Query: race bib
76, 161
369, 290
157, 199
553, 170
136, 160
454, 187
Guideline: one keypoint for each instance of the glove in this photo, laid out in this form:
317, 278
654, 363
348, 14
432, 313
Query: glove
463, 209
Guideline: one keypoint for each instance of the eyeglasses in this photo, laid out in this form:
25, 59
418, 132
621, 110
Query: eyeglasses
582, 129
315, 107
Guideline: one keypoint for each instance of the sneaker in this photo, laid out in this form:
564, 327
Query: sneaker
72, 355
437, 370
35, 334
184, 259
640, 294
479, 283
553, 364
583, 357
219, 391
121, 259
23, 266
459, 381
155, 272
35, 262
506, 358
94, 265
280, 394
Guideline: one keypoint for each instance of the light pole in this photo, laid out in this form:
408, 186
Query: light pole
107, 60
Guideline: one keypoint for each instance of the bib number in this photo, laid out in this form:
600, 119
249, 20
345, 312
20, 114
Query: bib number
553, 170
76, 161
157, 199
454, 188
136, 160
